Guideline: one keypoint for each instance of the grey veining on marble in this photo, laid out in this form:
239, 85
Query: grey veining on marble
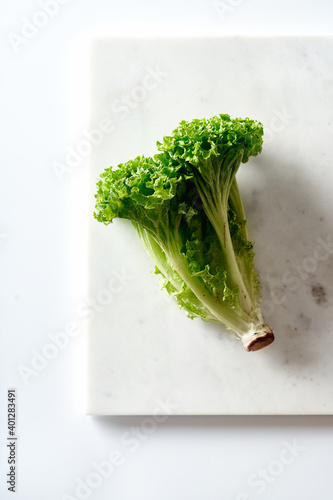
142, 350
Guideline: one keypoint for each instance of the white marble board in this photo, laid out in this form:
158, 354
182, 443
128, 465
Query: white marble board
144, 355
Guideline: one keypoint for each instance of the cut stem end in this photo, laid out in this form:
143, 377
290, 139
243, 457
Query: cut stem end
259, 340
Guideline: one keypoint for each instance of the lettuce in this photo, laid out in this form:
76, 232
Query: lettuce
186, 208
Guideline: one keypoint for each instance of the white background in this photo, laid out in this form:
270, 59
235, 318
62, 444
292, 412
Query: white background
59, 449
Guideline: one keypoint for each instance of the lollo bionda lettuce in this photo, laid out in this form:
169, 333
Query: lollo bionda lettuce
186, 208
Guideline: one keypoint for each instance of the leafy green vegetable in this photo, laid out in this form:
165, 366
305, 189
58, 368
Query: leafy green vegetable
186, 208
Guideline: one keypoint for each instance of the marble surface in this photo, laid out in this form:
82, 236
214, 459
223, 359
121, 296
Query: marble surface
144, 355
